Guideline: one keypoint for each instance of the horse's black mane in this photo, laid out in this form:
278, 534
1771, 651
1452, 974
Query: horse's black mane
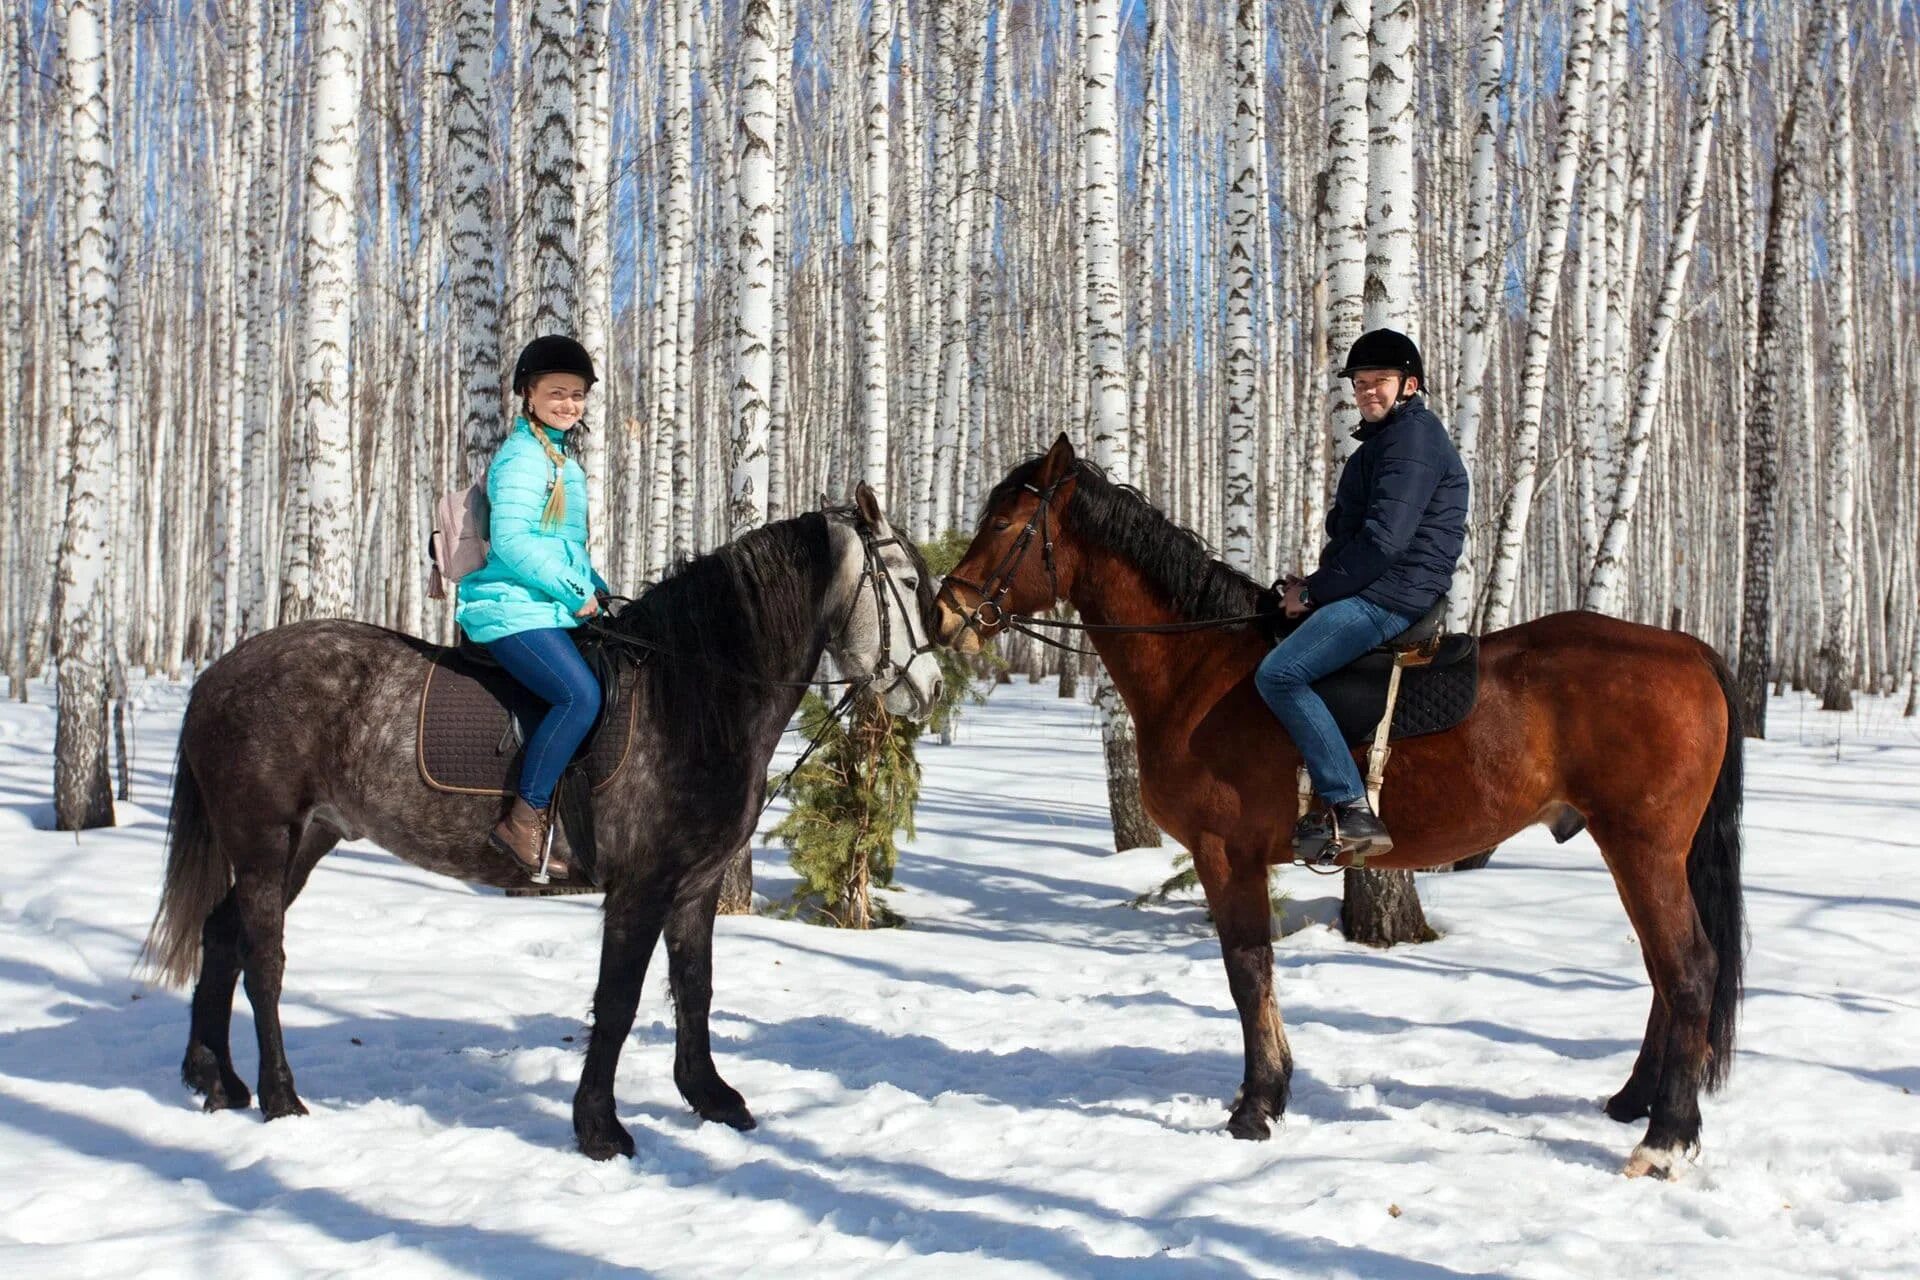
1173, 558
747, 608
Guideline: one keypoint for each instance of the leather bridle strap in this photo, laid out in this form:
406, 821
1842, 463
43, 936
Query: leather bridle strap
998, 583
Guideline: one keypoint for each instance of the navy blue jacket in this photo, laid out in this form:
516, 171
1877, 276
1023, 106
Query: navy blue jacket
1399, 515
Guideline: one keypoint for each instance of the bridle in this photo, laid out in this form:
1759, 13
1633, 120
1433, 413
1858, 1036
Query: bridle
1001, 579
874, 575
1001, 582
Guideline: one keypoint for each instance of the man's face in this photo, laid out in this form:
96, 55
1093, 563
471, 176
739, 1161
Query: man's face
1375, 391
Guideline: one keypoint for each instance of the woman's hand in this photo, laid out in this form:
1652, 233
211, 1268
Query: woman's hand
1290, 598
587, 610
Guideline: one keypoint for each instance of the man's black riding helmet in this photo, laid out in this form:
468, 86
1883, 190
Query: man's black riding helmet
551, 354
1385, 349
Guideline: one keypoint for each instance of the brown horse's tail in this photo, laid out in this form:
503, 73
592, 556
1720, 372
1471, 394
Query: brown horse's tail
1713, 876
197, 878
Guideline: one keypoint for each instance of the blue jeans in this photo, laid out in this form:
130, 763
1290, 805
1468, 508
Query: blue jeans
545, 661
1326, 640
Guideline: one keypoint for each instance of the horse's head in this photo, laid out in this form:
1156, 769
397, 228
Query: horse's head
1013, 565
887, 610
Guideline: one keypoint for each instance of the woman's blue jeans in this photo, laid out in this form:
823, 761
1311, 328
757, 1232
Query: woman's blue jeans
545, 661
1326, 640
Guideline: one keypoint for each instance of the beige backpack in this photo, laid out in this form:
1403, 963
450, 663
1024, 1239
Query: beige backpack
459, 543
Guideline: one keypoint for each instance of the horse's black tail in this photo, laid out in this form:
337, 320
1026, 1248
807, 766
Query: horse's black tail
1713, 877
197, 878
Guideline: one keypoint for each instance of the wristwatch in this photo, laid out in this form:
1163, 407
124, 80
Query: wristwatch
1304, 602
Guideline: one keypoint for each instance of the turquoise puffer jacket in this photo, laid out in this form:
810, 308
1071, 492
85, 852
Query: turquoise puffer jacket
533, 577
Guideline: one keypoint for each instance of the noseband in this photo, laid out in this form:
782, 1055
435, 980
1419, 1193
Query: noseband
1001, 579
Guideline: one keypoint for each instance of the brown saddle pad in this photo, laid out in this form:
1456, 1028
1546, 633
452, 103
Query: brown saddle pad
474, 720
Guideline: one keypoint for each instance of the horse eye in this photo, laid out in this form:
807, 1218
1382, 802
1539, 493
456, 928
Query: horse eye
1002, 523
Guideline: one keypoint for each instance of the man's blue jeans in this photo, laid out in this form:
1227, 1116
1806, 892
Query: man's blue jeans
1327, 639
545, 661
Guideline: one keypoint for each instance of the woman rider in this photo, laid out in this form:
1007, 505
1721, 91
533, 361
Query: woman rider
1393, 537
537, 583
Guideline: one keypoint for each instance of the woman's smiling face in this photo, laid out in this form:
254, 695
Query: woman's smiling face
558, 399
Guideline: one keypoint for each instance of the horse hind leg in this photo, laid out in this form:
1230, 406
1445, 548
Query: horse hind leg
262, 888
633, 920
208, 1066
1634, 1101
1652, 876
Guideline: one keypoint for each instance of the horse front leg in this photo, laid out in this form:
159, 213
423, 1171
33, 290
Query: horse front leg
1237, 894
633, 921
690, 974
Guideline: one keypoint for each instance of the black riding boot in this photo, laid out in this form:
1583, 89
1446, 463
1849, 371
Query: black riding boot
1359, 831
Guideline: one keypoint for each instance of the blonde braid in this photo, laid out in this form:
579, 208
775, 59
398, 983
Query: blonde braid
556, 508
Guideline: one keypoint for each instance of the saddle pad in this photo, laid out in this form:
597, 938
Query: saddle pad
468, 741
1432, 698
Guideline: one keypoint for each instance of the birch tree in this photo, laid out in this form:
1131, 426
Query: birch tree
1344, 230
594, 202
556, 260
758, 181
473, 248
1243, 397
876, 244
1390, 175
1477, 300
1603, 585
1544, 294
323, 570
82, 796
1837, 648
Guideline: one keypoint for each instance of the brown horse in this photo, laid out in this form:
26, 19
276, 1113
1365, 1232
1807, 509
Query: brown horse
1581, 718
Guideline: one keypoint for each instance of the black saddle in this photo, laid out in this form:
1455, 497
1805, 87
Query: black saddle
1437, 691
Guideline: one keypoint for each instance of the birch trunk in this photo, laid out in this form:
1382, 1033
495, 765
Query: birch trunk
1478, 310
473, 247
1344, 234
328, 272
1243, 396
1390, 172
556, 261
594, 202
875, 246
1842, 540
1545, 294
82, 795
1604, 584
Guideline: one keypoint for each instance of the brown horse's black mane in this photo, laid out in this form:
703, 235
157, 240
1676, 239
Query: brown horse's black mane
1173, 558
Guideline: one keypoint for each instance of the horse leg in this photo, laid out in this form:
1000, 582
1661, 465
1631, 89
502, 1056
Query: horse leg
260, 888
1635, 1099
1652, 875
1242, 915
690, 974
208, 1066
633, 921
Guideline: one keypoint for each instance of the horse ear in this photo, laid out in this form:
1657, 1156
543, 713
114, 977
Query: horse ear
869, 506
1057, 462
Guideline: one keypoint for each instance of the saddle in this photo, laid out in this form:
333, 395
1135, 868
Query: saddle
475, 719
1422, 681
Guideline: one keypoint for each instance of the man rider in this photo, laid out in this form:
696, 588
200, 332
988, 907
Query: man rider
1394, 535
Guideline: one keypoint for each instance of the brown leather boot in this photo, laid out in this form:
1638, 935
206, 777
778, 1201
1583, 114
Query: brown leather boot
522, 835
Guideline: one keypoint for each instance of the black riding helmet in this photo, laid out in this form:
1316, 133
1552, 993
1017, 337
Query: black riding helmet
1385, 349
551, 354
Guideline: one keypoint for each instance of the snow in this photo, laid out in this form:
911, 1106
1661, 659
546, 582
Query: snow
1030, 1080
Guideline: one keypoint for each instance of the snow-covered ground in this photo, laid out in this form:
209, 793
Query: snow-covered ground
1031, 1080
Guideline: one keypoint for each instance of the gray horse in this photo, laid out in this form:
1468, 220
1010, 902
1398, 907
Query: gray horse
304, 736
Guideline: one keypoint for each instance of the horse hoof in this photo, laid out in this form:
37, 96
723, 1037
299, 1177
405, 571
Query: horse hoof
227, 1097
1664, 1163
1249, 1128
1627, 1106
605, 1146
279, 1109
734, 1115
